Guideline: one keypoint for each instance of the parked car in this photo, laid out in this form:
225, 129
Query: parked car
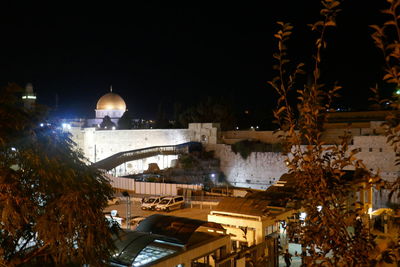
171, 203
136, 220
150, 203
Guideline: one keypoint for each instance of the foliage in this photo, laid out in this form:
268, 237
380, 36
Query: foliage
209, 110
246, 147
387, 39
188, 161
51, 202
125, 122
161, 120
318, 169
107, 123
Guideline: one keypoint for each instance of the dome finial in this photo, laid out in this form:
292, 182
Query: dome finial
111, 88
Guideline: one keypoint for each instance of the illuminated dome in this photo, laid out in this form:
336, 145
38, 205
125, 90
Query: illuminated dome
110, 104
111, 101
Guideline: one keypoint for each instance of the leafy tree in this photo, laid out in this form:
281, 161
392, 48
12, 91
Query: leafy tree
107, 123
387, 39
51, 202
320, 170
125, 122
177, 113
161, 120
210, 110
246, 147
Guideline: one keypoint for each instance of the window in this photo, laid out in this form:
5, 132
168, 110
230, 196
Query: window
370, 149
380, 149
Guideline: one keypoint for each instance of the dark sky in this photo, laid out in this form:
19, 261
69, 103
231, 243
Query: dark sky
154, 53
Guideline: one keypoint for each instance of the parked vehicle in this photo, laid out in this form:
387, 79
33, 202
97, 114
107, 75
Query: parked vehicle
171, 203
150, 203
136, 220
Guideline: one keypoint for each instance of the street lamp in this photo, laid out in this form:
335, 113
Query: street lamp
128, 209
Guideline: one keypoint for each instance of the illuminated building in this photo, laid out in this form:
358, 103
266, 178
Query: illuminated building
111, 105
29, 97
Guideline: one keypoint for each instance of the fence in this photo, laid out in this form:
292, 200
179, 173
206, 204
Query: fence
147, 188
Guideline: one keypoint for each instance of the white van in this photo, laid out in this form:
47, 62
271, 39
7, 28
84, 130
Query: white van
171, 203
150, 203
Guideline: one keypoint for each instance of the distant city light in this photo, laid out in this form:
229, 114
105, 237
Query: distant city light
319, 208
42, 124
303, 216
397, 92
256, 127
113, 127
213, 175
28, 97
237, 128
66, 126
13, 149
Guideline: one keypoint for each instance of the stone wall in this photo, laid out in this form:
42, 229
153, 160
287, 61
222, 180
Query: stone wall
261, 169
99, 144
376, 155
206, 133
258, 171
231, 137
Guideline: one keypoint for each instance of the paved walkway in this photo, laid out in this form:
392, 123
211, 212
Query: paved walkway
296, 262
193, 213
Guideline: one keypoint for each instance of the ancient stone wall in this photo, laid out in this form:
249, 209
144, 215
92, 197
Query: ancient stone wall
99, 144
258, 171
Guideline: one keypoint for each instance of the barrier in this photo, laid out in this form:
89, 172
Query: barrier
148, 188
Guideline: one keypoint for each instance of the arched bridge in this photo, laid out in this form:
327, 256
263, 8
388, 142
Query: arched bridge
122, 157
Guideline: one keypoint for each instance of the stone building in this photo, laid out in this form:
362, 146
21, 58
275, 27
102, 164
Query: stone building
111, 105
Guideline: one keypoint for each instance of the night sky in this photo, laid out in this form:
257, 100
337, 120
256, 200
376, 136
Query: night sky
153, 53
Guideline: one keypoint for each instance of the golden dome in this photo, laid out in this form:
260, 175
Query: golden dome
111, 101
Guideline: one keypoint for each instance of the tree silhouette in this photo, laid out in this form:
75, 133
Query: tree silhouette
161, 120
51, 202
107, 123
125, 122
319, 170
209, 110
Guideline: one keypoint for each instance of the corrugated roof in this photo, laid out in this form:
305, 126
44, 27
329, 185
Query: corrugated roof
261, 203
278, 195
178, 229
129, 244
